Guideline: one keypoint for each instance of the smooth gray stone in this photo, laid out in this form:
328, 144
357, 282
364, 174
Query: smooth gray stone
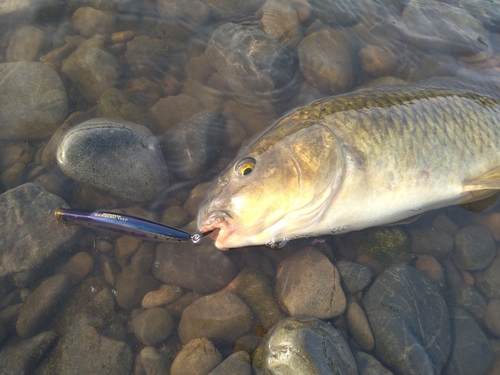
355, 276
19, 357
193, 146
304, 346
431, 241
202, 268
410, 322
29, 232
33, 100
254, 64
472, 353
368, 365
118, 157
236, 364
475, 248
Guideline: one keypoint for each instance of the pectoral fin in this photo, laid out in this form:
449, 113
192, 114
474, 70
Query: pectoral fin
488, 181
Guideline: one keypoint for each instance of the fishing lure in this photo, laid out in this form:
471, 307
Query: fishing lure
124, 224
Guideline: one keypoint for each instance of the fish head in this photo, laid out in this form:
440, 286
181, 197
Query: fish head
274, 191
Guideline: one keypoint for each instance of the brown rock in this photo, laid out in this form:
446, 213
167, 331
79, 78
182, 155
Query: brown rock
307, 283
79, 266
198, 357
359, 327
221, 317
153, 326
89, 21
161, 297
492, 317
131, 286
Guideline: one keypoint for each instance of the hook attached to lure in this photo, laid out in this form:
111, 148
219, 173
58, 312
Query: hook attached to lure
125, 224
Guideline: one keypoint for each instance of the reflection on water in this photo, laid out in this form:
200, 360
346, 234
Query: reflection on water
202, 78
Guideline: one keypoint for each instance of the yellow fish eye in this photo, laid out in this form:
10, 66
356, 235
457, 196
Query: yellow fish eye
245, 167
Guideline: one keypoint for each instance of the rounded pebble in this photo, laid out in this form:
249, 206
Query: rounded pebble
358, 324
89, 21
492, 317
131, 286
153, 326
154, 362
163, 296
431, 241
198, 357
79, 266
475, 248
431, 268
236, 364
355, 276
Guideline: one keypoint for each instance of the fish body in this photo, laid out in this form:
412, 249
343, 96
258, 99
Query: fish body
357, 160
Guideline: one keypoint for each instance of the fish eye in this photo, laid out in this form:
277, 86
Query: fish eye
245, 167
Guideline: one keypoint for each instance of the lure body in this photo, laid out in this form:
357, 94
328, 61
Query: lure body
124, 224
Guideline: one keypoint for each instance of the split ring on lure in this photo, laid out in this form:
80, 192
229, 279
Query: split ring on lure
124, 224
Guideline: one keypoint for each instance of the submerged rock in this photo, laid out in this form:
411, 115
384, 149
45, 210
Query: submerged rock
33, 101
410, 322
197, 357
475, 248
304, 345
118, 157
29, 233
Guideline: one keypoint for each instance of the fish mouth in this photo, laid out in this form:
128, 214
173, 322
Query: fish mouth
219, 225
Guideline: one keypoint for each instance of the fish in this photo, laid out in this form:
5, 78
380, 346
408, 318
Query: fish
367, 158
124, 224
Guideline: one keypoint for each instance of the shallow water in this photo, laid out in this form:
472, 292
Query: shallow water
155, 70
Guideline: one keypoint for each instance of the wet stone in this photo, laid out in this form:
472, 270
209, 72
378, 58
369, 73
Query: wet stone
441, 26
91, 69
490, 221
33, 101
221, 317
307, 283
193, 11
431, 241
177, 307
20, 356
153, 326
304, 345
144, 256
79, 266
98, 151
25, 44
236, 364
153, 361
325, 61
131, 286
172, 110
355, 276
358, 324
198, 357
161, 297
368, 365
145, 55
26, 249
193, 146
492, 317
113, 104
42, 305
280, 21
488, 281
410, 337
229, 9
202, 268
377, 61
471, 353
253, 63
431, 268
475, 248
89, 21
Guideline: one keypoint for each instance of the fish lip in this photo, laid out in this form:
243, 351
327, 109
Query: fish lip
218, 223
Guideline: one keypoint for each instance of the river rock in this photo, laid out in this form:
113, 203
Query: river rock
488, 280
492, 317
377, 61
304, 345
91, 69
236, 364
202, 268
172, 110
431, 241
114, 104
280, 20
79, 266
471, 353
42, 304
91, 335
368, 365
89, 21
409, 336
21, 356
325, 61
193, 146
198, 357
131, 286
153, 326
98, 151
232, 9
221, 317
431, 268
254, 64
355, 276
25, 44
307, 283
194, 12
145, 55
254, 289
33, 100
163, 296
25, 250
444, 27
475, 248
358, 325
154, 362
